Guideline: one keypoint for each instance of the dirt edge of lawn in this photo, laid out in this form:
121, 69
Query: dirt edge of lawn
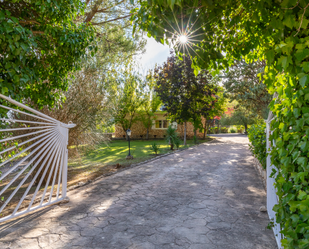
130, 166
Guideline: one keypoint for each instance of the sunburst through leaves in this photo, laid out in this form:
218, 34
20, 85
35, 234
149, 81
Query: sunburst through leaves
185, 33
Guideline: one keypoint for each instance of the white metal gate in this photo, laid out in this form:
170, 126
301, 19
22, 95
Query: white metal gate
272, 198
33, 159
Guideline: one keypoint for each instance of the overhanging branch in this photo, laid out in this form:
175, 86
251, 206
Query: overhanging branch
115, 19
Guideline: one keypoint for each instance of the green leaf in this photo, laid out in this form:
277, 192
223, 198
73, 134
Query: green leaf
14, 19
286, 161
303, 243
24, 46
285, 62
4, 90
296, 112
293, 205
294, 218
300, 123
2, 15
289, 21
301, 195
305, 66
301, 54
302, 207
304, 146
302, 161
304, 23
304, 80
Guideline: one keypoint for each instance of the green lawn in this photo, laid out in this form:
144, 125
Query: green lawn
116, 151
106, 156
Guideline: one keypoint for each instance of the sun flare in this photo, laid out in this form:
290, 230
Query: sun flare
185, 35
183, 39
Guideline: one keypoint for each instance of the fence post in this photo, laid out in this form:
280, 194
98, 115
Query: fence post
65, 160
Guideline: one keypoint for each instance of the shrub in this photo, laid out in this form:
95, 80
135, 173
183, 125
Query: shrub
155, 148
240, 128
224, 130
213, 130
232, 130
177, 143
257, 137
171, 136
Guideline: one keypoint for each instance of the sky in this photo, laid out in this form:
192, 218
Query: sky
156, 53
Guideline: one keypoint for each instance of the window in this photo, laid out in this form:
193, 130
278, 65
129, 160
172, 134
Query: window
160, 124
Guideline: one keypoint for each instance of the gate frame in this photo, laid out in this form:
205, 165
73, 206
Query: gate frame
62, 131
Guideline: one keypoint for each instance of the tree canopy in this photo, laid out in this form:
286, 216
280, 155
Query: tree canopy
240, 116
151, 102
40, 44
243, 84
186, 96
128, 97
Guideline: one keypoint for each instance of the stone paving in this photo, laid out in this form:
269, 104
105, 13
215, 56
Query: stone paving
205, 197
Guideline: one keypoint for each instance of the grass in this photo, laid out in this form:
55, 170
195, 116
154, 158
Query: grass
110, 157
106, 158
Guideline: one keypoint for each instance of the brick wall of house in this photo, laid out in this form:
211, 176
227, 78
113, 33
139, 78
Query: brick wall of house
138, 130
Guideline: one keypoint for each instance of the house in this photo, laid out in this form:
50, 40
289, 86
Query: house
160, 124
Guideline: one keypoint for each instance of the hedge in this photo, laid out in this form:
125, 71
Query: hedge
257, 137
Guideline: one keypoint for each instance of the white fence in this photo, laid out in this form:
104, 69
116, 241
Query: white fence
33, 159
272, 198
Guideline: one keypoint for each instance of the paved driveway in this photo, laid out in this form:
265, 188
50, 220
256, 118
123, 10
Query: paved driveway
204, 197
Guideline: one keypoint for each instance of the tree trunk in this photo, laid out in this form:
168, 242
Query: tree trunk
125, 131
205, 129
246, 127
185, 134
208, 127
195, 135
147, 134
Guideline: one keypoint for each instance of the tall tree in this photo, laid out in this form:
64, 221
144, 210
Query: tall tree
240, 116
94, 111
217, 108
128, 97
203, 99
172, 90
185, 95
244, 85
151, 103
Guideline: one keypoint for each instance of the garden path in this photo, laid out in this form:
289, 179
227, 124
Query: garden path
203, 197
